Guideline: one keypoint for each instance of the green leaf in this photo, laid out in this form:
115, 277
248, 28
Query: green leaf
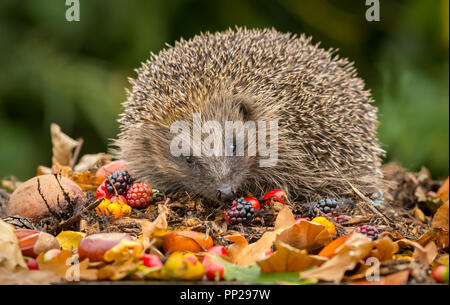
252, 273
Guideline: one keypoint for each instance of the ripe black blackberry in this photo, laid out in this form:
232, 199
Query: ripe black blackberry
122, 182
369, 231
327, 205
241, 211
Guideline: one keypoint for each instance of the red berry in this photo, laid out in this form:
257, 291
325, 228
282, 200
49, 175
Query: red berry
297, 220
369, 231
268, 252
32, 264
275, 195
117, 198
102, 192
214, 270
218, 250
139, 195
151, 260
254, 202
342, 218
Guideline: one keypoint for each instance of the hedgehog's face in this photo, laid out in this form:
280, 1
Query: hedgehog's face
213, 162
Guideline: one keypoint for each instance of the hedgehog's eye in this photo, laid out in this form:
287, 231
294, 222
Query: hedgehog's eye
189, 160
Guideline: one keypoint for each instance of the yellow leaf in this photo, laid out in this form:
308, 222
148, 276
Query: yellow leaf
69, 240
124, 251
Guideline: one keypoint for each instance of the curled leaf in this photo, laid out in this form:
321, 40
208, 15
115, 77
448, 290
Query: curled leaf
69, 240
289, 259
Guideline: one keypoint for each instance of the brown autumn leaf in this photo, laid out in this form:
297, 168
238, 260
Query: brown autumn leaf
92, 162
384, 249
305, 235
149, 228
355, 248
398, 278
27, 277
66, 265
442, 193
424, 255
440, 218
243, 253
63, 146
117, 271
289, 259
418, 214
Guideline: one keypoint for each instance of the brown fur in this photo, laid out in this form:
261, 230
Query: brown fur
327, 127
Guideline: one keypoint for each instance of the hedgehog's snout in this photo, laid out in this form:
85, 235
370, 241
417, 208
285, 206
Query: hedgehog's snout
225, 192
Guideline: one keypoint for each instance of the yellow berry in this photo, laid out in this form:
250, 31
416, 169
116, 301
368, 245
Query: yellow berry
115, 209
326, 223
126, 209
102, 208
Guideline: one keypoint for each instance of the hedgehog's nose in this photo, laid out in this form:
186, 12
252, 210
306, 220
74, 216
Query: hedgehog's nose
225, 192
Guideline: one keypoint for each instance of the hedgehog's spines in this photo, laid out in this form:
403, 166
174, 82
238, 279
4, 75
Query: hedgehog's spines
327, 125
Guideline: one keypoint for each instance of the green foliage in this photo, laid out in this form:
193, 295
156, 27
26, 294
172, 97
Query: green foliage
252, 274
74, 73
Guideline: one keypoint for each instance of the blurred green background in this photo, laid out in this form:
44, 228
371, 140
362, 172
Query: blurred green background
74, 73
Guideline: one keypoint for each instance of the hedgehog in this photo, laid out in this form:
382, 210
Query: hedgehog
326, 123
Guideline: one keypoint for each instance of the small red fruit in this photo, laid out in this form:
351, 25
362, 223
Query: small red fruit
139, 195
32, 264
275, 195
214, 270
151, 260
297, 220
254, 202
218, 250
268, 252
102, 192
118, 199
440, 274
342, 218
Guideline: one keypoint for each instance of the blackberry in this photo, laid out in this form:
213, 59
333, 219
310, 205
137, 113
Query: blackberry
122, 182
369, 231
241, 211
327, 205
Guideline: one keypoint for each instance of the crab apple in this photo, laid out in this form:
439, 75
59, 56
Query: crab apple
277, 195
214, 270
151, 260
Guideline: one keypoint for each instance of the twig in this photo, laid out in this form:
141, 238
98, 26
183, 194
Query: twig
56, 215
369, 204
70, 221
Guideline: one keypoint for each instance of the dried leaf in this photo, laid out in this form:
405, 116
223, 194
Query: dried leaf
242, 253
398, 278
92, 162
66, 265
355, 248
69, 240
305, 235
289, 259
149, 228
418, 214
63, 146
384, 249
442, 193
10, 254
425, 255
440, 219
27, 277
